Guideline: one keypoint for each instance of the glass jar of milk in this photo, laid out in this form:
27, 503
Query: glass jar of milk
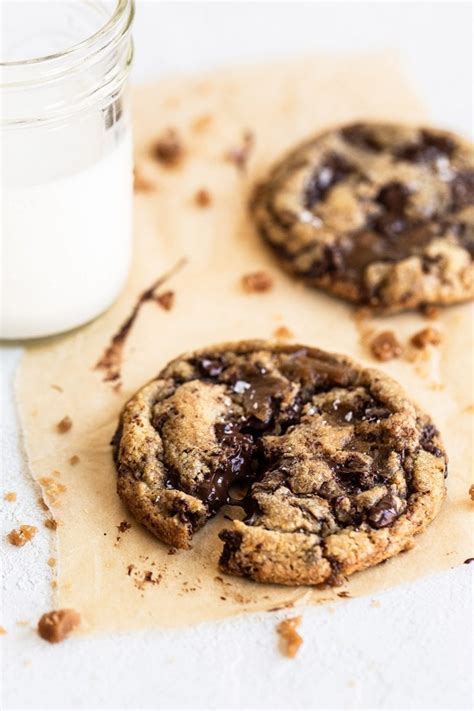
66, 162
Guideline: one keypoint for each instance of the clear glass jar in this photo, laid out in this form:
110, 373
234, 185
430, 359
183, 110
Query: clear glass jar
66, 155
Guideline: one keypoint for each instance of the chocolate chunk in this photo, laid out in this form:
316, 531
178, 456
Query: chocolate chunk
430, 147
393, 197
234, 465
385, 512
361, 136
462, 189
212, 367
333, 169
428, 433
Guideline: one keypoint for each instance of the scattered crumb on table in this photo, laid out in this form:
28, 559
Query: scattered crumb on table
291, 640
257, 282
165, 300
56, 625
64, 425
283, 332
10, 496
202, 198
239, 155
426, 337
20, 536
385, 346
168, 149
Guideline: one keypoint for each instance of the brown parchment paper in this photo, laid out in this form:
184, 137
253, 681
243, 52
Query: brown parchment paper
280, 104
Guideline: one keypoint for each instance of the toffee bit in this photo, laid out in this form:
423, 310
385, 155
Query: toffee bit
289, 636
257, 282
165, 300
168, 149
239, 155
283, 332
75, 459
426, 337
64, 425
56, 625
10, 496
385, 346
202, 198
20, 536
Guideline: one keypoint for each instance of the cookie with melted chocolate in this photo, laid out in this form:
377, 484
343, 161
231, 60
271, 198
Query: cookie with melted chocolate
334, 467
378, 214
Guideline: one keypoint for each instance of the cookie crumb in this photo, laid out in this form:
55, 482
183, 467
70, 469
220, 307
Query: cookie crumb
257, 282
52, 488
283, 332
471, 492
429, 311
426, 337
64, 425
2, 630
201, 123
54, 584
239, 155
168, 149
52, 523
56, 625
124, 526
75, 459
343, 593
141, 184
20, 536
290, 637
10, 496
202, 198
52, 562
385, 346
165, 300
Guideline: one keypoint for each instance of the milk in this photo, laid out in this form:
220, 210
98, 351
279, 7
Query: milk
66, 242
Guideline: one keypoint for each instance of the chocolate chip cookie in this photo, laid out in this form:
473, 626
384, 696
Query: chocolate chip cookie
378, 214
333, 467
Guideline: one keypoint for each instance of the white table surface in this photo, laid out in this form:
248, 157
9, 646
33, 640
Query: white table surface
413, 649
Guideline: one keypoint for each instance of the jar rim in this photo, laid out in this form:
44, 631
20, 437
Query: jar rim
121, 7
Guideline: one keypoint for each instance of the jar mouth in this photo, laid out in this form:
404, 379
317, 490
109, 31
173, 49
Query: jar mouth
123, 9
